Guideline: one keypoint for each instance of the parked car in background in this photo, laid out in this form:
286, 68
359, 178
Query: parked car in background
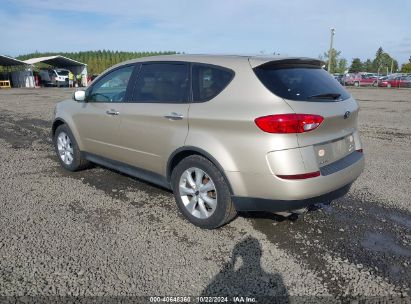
395, 82
224, 133
62, 77
46, 78
361, 79
375, 75
339, 78
54, 77
90, 78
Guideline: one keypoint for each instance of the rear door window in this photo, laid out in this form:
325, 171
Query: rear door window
162, 83
209, 81
301, 82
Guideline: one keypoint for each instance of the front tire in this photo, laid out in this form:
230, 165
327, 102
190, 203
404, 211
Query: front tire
356, 84
202, 193
67, 150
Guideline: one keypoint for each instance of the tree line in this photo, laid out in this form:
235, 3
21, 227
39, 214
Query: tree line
382, 63
97, 61
100, 60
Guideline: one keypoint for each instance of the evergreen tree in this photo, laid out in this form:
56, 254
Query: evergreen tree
383, 62
342, 66
368, 66
356, 66
334, 59
406, 68
97, 61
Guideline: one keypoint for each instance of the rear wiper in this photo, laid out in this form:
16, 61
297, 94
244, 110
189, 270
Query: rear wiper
333, 96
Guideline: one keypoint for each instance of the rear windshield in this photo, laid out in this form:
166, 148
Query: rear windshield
302, 83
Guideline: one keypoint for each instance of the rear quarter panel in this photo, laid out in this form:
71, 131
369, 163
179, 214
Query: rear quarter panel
225, 128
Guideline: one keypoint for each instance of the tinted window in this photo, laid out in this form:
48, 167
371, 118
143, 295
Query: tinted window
112, 87
301, 83
162, 83
209, 81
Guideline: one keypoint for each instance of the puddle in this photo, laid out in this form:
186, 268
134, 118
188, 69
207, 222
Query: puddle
401, 220
359, 232
382, 242
22, 133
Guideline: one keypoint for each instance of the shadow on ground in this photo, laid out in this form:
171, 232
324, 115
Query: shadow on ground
243, 276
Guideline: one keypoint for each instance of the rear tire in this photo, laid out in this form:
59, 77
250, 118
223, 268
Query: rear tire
388, 85
356, 84
202, 193
67, 150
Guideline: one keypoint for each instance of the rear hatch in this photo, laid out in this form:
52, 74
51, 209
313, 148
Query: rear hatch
309, 89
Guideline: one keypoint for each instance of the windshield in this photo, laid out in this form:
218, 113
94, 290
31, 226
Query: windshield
62, 73
301, 83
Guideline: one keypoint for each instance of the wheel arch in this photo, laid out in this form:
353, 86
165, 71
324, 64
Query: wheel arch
60, 121
186, 151
56, 123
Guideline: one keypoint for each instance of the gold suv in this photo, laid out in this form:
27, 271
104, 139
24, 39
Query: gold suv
224, 133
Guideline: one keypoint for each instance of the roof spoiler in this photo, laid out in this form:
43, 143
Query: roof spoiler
285, 62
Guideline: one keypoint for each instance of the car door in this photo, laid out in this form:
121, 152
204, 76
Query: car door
154, 123
98, 121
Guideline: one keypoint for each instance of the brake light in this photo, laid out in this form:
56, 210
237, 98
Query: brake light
289, 123
300, 176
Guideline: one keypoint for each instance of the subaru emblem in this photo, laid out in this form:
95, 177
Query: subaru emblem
347, 114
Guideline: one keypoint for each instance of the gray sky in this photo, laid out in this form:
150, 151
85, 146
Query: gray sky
295, 28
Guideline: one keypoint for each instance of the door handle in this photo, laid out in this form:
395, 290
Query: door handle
112, 112
174, 116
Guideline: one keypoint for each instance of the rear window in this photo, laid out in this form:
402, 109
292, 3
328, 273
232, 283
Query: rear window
209, 81
302, 83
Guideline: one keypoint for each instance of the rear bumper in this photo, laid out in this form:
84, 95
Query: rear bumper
260, 204
259, 192
269, 186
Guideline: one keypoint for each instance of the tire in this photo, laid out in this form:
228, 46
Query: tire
64, 142
374, 84
218, 206
356, 84
388, 85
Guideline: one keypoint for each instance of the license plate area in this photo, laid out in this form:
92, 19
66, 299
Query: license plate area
329, 152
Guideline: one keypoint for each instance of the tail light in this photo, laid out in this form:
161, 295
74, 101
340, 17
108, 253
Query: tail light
301, 176
289, 123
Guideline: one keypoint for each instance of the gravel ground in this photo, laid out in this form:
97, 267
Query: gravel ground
101, 233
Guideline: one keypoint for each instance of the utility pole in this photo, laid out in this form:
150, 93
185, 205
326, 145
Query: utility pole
330, 51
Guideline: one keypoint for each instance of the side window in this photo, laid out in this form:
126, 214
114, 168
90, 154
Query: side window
112, 87
162, 83
209, 81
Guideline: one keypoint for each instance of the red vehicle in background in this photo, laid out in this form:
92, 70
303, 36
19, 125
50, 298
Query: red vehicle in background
396, 82
361, 79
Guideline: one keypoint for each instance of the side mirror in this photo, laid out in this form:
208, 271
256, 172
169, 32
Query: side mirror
79, 95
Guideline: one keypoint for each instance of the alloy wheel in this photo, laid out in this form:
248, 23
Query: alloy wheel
65, 148
198, 193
